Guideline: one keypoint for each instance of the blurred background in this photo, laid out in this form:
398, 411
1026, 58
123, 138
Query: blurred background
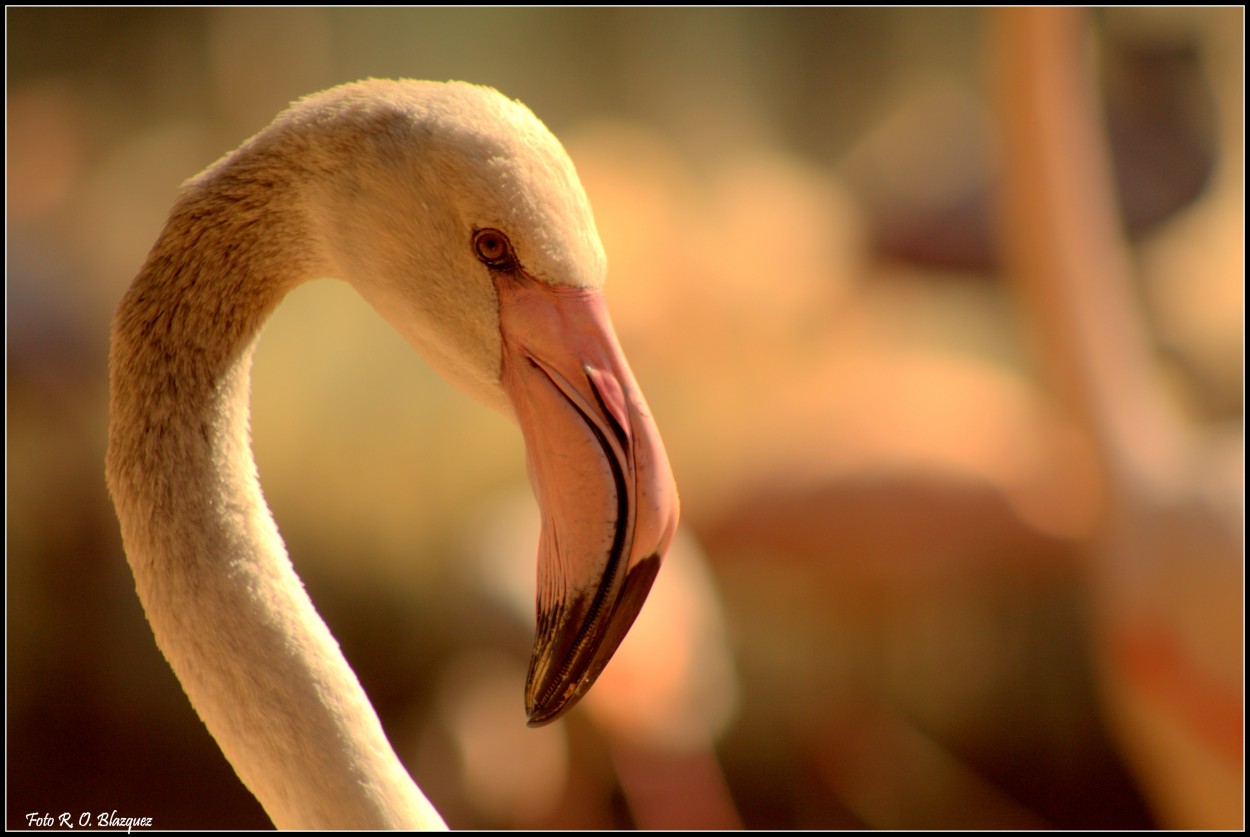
918, 586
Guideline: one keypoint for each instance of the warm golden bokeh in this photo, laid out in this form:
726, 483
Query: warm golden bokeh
910, 591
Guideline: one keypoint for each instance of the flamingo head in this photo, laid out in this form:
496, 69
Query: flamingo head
461, 219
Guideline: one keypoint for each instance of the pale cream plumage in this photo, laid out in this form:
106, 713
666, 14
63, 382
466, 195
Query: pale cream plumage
379, 183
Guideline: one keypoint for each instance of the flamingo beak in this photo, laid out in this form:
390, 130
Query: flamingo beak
600, 473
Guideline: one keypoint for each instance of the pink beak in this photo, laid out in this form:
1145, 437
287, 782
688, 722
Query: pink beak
598, 468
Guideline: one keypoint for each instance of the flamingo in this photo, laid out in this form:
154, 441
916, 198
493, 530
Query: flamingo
459, 217
1168, 576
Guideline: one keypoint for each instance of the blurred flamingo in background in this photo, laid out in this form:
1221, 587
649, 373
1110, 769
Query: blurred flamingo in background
906, 477
459, 217
1167, 571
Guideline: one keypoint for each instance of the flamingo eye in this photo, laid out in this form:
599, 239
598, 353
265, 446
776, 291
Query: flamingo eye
493, 248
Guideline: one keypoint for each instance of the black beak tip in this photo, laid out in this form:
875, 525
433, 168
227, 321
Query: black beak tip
548, 697
541, 713
542, 717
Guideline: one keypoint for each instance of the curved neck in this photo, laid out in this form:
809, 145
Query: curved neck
1067, 252
225, 605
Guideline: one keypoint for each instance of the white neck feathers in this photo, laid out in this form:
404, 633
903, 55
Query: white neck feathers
227, 609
